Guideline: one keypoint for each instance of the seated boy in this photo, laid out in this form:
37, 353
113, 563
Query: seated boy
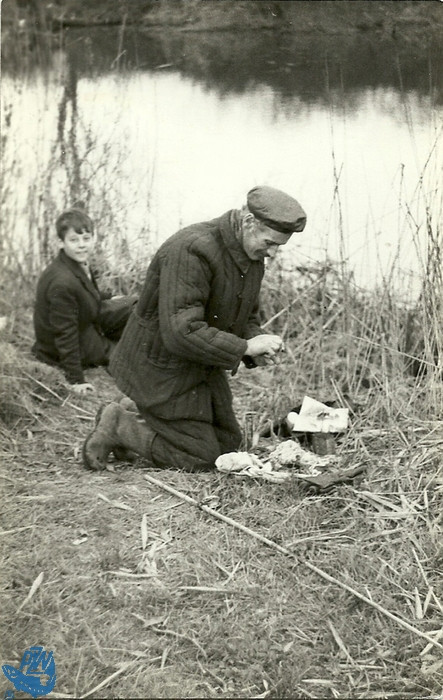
75, 325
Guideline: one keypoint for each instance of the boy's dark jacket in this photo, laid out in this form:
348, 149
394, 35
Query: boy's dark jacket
66, 319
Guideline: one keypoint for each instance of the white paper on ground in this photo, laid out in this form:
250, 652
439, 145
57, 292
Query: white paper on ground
316, 417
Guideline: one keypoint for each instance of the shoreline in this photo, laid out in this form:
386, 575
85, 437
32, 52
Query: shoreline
407, 20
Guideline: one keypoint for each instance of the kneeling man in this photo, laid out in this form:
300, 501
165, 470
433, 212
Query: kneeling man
197, 316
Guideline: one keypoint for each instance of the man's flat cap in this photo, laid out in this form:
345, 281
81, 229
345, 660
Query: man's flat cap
276, 209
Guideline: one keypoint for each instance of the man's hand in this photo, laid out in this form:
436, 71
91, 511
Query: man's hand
85, 388
263, 348
264, 360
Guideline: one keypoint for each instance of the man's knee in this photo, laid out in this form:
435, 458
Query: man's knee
199, 453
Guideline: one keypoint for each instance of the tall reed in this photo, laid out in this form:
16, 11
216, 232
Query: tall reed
337, 334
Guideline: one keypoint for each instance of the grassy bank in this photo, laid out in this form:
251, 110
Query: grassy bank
141, 595
329, 16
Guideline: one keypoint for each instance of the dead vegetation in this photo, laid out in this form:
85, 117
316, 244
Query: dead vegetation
140, 594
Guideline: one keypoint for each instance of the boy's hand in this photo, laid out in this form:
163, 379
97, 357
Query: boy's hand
85, 388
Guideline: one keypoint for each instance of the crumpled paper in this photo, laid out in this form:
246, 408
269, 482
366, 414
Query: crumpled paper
288, 453
291, 453
245, 464
319, 471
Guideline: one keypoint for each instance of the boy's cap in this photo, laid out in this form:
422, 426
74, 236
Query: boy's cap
276, 209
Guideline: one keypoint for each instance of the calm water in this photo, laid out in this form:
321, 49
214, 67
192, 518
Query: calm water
183, 126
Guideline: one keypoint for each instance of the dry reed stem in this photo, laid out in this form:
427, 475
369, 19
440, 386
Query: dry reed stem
109, 679
394, 433
64, 402
283, 550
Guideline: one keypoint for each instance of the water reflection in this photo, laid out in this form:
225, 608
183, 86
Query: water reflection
309, 64
185, 143
200, 154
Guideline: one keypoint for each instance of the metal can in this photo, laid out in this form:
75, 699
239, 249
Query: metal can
323, 444
248, 430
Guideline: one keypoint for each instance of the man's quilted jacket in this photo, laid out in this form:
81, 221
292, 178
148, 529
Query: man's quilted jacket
199, 305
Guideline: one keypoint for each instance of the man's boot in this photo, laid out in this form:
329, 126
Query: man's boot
122, 454
116, 430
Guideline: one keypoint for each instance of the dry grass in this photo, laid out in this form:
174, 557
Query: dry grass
193, 607
142, 595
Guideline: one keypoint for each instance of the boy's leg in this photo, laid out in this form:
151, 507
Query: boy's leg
94, 348
114, 314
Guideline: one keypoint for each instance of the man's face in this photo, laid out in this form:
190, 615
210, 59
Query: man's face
260, 241
78, 245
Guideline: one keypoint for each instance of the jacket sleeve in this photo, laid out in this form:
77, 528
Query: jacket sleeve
253, 327
63, 320
185, 282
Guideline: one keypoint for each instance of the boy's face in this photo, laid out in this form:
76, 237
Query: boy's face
78, 245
